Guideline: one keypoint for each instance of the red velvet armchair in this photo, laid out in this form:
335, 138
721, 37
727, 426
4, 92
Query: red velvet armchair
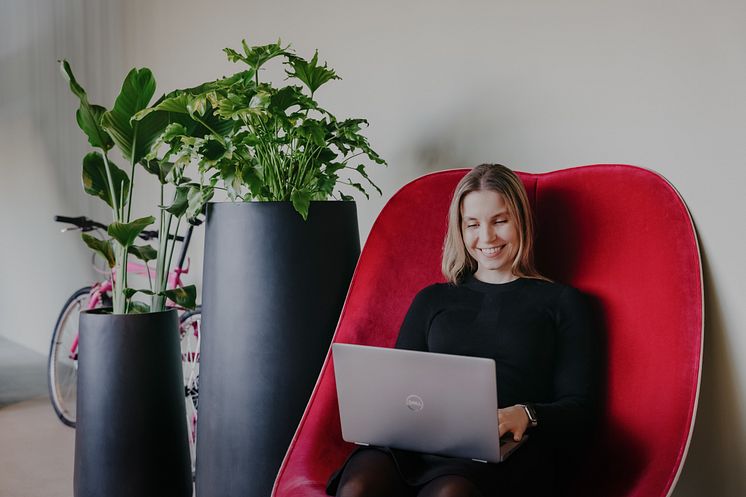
620, 234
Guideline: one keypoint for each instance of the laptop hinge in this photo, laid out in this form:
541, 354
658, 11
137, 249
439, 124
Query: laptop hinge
479, 460
361, 443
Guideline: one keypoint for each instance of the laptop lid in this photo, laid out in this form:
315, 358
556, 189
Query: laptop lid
420, 401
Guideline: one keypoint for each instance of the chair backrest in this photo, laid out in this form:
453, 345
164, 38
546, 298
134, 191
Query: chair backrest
620, 234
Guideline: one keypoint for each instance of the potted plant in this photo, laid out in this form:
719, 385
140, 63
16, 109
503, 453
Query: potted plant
131, 438
279, 255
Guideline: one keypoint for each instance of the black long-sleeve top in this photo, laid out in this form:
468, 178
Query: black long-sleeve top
538, 333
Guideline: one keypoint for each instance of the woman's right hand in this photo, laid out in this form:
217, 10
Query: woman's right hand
513, 420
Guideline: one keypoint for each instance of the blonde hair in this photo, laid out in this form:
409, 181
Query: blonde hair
457, 263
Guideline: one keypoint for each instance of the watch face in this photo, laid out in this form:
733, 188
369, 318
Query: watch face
531, 415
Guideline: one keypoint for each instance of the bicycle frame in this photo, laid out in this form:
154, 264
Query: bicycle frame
101, 288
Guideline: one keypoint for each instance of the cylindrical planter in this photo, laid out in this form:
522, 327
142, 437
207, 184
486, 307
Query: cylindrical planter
131, 437
273, 288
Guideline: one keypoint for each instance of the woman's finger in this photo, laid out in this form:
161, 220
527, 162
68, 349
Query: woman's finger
518, 434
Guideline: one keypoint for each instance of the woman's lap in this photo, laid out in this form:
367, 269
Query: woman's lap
529, 471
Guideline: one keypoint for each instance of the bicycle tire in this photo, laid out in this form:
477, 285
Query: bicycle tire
190, 339
61, 368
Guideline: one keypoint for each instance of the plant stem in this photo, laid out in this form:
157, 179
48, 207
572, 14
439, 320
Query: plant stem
132, 172
215, 133
120, 259
173, 246
110, 184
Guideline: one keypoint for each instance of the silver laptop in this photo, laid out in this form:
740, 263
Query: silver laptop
425, 402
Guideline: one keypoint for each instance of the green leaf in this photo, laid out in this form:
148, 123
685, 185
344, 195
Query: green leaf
178, 104
251, 178
197, 198
185, 296
358, 187
96, 183
361, 169
129, 292
344, 196
159, 168
134, 137
136, 307
102, 247
301, 201
310, 73
88, 115
180, 202
183, 108
143, 252
255, 56
314, 131
286, 98
173, 131
126, 233
325, 186
197, 105
212, 149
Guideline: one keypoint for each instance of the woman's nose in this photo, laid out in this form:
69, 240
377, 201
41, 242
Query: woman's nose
486, 233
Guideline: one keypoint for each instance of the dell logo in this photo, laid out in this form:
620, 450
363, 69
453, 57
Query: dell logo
414, 403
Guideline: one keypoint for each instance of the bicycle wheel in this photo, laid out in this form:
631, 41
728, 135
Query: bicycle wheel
62, 364
189, 335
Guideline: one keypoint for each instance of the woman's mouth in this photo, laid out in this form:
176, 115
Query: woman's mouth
492, 251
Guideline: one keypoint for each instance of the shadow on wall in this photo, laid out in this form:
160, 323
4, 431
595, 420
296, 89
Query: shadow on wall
459, 137
717, 454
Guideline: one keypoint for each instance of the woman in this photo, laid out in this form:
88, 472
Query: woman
494, 305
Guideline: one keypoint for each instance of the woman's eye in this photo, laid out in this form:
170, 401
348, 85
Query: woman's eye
500, 221
472, 225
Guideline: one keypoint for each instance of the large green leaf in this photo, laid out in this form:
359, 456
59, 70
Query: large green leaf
88, 115
310, 73
96, 183
185, 296
186, 110
102, 247
177, 104
126, 233
134, 137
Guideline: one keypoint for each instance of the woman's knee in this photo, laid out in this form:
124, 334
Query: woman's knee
370, 473
450, 486
356, 486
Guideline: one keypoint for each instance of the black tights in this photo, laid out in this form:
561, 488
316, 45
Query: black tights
372, 473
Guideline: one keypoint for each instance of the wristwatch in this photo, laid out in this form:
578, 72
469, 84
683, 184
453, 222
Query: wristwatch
533, 422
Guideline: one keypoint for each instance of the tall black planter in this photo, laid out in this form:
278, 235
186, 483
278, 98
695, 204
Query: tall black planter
273, 288
131, 438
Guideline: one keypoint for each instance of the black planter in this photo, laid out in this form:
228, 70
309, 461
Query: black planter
131, 437
273, 288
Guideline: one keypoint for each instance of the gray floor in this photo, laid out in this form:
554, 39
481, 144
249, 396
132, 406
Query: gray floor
36, 459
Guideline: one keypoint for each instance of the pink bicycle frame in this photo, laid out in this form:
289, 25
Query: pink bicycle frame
101, 288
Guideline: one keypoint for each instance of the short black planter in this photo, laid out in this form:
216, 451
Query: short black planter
272, 291
131, 438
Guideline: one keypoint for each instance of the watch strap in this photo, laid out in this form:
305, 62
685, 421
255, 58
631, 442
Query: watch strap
531, 413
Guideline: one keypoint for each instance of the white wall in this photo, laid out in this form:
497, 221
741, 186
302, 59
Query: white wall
536, 85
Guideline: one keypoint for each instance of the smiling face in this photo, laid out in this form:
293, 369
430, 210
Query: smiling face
490, 235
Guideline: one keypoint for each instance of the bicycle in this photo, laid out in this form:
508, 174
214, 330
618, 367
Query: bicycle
63, 354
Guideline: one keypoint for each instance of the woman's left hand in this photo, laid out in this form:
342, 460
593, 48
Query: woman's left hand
512, 419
